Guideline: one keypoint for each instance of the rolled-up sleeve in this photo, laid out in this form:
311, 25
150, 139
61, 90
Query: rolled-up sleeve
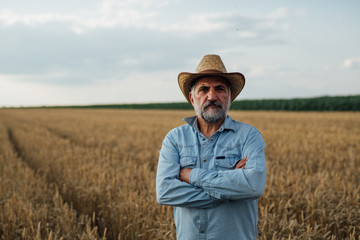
237, 184
170, 190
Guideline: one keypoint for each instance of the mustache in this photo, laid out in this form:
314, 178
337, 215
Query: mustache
212, 103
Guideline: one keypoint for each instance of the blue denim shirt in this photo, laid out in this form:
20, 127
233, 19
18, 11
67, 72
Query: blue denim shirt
220, 202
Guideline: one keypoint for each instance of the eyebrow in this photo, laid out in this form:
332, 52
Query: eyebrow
203, 86
217, 86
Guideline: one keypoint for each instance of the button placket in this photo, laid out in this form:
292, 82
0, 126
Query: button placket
206, 146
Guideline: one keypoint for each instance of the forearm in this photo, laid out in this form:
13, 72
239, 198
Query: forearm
230, 185
176, 193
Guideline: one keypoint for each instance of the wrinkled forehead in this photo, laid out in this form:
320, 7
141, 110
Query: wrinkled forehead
210, 80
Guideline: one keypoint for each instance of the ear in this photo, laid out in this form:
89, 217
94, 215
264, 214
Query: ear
232, 96
191, 98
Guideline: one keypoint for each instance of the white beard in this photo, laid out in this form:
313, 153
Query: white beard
212, 115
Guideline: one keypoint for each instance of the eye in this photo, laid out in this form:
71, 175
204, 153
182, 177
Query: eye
220, 88
203, 89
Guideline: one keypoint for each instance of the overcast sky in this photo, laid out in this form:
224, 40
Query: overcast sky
129, 51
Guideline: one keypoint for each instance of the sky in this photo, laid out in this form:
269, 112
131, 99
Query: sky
131, 51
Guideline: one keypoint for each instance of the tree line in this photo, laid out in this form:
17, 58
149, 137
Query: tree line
325, 103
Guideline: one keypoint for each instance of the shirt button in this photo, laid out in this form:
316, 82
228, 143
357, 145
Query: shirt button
203, 139
202, 231
212, 139
204, 160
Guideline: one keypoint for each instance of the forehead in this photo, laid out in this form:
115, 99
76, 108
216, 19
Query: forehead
211, 80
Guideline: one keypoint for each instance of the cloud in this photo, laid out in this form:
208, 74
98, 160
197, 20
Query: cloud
198, 23
150, 15
109, 5
9, 18
261, 71
283, 13
108, 14
351, 63
119, 37
245, 26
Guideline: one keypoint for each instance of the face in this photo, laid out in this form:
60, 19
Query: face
211, 98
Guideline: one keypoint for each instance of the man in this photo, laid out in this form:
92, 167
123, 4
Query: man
212, 170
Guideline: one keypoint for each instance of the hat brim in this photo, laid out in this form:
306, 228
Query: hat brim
235, 79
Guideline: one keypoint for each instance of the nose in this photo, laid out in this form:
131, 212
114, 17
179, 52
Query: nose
211, 95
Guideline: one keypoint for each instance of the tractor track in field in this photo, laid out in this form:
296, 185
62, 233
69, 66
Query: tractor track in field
14, 143
51, 181
16, 148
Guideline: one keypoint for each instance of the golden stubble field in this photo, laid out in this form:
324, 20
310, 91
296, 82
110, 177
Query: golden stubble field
90, 174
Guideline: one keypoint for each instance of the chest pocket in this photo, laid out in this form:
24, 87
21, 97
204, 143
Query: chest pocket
227, 163
187, 162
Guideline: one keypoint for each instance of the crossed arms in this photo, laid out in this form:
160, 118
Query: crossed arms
203, 188
184, 174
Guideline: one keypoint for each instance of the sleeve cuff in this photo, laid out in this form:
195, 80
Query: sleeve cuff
195, 176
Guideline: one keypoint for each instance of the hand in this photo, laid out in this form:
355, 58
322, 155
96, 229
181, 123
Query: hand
241, 164
184, 175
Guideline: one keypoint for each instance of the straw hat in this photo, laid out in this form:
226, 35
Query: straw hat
211, 65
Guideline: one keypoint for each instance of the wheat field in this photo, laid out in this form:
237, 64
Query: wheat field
90, 174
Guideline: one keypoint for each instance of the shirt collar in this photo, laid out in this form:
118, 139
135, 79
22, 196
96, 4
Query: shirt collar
228, 124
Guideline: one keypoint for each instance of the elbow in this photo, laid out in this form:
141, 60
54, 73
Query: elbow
253, 194
160, 191
258, 192
162, 195
258, 185
160, 199
164, 199
159, 196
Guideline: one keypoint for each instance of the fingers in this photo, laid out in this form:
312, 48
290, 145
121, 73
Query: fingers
241, 164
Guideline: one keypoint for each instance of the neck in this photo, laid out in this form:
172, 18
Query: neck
208, 129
